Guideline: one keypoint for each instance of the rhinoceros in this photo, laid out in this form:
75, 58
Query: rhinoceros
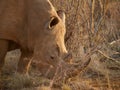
34, 27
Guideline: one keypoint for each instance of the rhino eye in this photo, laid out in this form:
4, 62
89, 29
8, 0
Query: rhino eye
54, 21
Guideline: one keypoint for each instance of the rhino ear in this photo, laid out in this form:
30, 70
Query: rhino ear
53, 22
61, 14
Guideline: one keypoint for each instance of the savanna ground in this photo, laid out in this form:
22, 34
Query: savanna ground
93, 30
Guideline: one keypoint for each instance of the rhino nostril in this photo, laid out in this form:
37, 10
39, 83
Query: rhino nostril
52, 57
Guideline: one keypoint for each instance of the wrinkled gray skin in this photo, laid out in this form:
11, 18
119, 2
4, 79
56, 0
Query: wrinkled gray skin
36, 29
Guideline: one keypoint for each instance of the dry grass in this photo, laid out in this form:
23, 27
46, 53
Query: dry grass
93, 28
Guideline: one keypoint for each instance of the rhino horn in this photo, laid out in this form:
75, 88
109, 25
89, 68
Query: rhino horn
67, 70
77, 68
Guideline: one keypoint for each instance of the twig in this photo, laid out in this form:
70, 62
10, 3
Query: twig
105, 55
93, 8
115, 41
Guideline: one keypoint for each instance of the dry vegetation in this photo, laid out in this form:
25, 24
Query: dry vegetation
93, 30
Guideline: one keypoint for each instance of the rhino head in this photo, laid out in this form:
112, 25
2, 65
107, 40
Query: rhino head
50, 43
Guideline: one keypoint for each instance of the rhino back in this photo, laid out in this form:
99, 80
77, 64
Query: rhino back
12, 16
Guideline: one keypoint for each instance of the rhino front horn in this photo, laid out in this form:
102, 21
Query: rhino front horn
76, 69
66, 71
